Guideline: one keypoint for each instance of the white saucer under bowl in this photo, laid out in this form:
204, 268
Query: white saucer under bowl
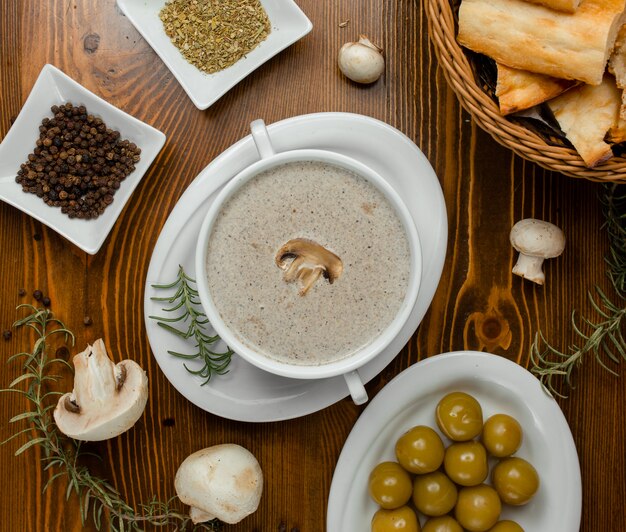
247, 393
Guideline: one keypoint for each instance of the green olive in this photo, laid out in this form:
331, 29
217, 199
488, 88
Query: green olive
502, 435
403, 519
390, 485
466, 463
515, 480
478, 508
434, 494
442, 524
459, 416
506, 526
420, 450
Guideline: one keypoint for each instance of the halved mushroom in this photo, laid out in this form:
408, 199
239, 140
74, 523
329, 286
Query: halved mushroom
309, 261
107, 399
222, 482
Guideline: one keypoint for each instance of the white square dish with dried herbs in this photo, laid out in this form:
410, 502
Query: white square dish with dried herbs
210, 45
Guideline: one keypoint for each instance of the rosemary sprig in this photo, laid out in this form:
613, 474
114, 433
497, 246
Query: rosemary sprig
603, 337
185, 299
99, 501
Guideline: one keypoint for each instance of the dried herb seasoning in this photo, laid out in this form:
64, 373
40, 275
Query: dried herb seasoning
214, 34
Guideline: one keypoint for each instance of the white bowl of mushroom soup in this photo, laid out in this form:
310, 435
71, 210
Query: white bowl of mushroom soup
308, 263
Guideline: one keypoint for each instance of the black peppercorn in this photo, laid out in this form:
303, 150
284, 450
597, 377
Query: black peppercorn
76, 162
7, 334
21, 292
46, 301
38, 295
62, 352
87, 321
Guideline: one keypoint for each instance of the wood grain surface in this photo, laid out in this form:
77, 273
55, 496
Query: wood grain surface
479, 304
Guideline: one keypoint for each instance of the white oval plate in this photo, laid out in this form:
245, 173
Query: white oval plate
500, 386
247, 393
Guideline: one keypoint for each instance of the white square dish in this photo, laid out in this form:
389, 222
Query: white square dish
53, 87
288, 23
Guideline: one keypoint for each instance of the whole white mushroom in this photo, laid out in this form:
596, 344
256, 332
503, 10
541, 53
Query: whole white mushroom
224, 482
536, 241
361, 61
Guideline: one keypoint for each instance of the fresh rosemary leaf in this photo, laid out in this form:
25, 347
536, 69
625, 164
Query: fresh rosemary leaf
182, 355
192, 322
602, 338
21, 378
12, 390
16, 356
52, 479
29, 444
59, 361
13, 436
23, 415
53, 393
84, 509
165, 287
163, 323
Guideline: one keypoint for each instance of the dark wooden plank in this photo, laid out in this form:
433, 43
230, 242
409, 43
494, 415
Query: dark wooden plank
478, 305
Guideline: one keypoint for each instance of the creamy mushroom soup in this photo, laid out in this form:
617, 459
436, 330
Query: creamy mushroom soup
308, 263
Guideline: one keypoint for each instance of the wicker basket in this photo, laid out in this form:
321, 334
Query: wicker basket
528, 144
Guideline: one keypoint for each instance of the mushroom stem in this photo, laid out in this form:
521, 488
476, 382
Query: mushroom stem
198, 515
363, 39
94, 379
529, 267
309, 261
308, 277
361, 61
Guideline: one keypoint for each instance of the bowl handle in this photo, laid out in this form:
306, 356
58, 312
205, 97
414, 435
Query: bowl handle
261, 139
355, 385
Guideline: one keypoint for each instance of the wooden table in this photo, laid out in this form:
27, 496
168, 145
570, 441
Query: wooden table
487, 189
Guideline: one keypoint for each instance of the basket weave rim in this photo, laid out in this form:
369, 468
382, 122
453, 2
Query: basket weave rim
524, 142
